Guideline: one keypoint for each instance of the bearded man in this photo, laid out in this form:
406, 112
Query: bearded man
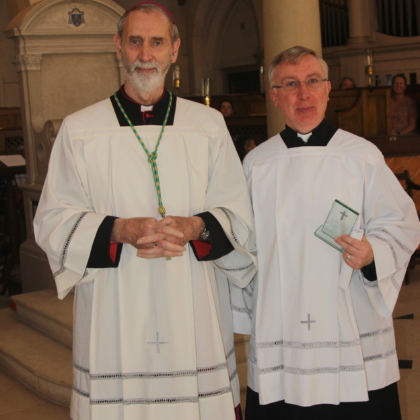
152, 321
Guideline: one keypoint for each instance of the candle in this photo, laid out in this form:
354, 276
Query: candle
177, 72
176, 76
369, 57
206, 86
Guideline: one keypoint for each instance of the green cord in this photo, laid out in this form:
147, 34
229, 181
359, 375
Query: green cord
152, 157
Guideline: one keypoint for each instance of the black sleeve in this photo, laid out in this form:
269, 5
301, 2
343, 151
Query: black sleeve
369, 271
99, 254
221, 245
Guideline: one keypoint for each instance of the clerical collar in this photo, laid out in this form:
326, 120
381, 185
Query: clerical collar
144, 115
319, 136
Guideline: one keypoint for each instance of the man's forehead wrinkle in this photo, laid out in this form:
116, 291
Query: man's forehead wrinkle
154, 38
292, 76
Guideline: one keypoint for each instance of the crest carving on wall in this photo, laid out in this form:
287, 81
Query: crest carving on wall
76, 17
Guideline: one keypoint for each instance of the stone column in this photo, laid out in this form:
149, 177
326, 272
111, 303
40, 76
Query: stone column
288, 23
358, 21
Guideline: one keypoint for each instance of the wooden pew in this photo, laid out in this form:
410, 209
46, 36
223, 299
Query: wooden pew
363, 112
249, 117
402, 153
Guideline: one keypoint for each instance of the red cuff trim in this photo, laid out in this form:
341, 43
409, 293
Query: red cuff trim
202, 249
238, 412
113, 248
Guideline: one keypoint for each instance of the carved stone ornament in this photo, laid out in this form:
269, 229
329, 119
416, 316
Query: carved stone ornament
76, 17
26, 62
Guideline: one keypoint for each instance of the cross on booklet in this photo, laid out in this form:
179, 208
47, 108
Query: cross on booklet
340, 221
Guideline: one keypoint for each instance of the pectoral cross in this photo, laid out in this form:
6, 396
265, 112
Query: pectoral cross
343, 214
309, 322
157, 342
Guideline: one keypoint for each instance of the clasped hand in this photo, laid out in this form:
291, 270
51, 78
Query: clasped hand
156, 239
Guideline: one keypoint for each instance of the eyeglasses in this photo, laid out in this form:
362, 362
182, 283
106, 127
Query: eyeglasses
312, 84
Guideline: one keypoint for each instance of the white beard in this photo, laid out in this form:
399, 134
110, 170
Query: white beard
146, 82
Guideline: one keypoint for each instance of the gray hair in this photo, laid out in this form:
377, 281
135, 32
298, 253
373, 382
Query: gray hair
293, 56
147, 8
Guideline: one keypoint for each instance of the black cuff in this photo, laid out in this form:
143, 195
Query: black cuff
99, 254
369, 271
221, 245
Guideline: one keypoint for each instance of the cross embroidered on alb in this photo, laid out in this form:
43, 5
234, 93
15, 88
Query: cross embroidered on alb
309, 322
157, 342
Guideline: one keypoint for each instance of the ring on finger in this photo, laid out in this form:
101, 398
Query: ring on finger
348, 257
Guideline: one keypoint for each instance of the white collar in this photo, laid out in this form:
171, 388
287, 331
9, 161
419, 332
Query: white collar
304, 137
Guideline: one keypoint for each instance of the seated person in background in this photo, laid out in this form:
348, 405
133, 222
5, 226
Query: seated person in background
244, 145
226, 108
403, 108
347, 83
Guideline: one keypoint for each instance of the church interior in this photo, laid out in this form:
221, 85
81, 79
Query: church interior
58, 56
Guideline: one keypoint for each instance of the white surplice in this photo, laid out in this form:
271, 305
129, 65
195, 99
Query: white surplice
152, 338
322, 333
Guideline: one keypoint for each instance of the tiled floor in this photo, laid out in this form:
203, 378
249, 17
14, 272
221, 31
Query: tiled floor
19, 403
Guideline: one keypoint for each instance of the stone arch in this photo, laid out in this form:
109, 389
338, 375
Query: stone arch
208, 23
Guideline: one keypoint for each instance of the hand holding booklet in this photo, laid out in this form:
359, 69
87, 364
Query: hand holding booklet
340, 221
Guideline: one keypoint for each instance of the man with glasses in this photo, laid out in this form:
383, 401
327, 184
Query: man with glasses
322, 343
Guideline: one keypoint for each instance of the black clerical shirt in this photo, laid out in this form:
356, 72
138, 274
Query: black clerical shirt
321, 135
150, 115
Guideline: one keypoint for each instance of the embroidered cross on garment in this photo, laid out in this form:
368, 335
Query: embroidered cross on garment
157, 342
309, 322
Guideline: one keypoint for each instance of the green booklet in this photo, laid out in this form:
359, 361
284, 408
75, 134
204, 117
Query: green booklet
340, 221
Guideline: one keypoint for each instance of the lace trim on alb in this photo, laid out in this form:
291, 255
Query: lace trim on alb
270, 369
152, 375
232, 375
213, 393
63, 257
394, 281
234, 269
149, 375
81, 368
313, 371
243, 289
144, 375
80, 392
212, 368
394, 254
132, 401
241, 310
321, 344
377, 332
252, 359
246, 290
315, 345
269, 344
380, 356
230, 352
231, 226
397, 241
